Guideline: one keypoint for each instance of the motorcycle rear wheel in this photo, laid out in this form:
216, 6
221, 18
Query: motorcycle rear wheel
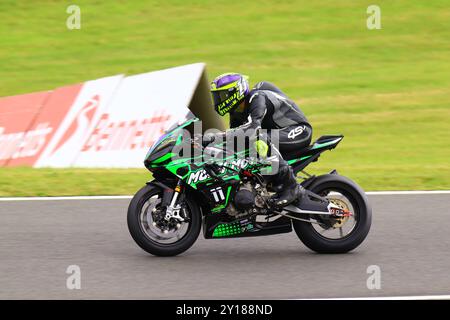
352, 196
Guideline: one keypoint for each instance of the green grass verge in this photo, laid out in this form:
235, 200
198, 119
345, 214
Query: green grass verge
27, 182
387, 91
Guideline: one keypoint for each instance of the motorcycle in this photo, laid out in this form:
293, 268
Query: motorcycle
230, 199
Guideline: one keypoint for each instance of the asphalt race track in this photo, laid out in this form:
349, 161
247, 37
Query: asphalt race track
409, 241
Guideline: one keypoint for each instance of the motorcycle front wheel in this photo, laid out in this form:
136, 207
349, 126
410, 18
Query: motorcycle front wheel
155, 235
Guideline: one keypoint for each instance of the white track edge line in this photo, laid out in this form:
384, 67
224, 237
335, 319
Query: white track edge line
370, 193
424, 297
65, 198
412, 192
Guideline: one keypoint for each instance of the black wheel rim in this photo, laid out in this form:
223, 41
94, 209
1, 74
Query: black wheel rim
155, 228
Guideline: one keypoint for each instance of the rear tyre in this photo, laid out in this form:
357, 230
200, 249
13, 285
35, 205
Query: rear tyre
147, 231
345, 192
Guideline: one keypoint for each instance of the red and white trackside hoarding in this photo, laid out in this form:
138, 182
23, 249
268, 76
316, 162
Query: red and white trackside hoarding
78, 122
108, 122
17, 142
143, 107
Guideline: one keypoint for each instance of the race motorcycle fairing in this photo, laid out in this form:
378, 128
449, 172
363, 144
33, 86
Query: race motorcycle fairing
231, 197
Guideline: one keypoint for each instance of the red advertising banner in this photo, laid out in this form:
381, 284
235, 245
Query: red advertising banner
44, 125
17, 114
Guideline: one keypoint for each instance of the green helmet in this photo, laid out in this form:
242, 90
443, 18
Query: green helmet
228, 91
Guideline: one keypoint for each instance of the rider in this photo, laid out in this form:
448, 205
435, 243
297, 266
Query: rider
265, 107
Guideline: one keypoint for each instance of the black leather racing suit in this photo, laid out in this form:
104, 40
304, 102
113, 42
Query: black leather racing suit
267, 107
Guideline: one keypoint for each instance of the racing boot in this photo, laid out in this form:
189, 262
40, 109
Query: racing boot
286, 183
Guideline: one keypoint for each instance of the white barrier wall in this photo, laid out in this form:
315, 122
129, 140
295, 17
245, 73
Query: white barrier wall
77, 126
143, 107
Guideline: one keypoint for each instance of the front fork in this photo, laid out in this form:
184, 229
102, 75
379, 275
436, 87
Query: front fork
174, 208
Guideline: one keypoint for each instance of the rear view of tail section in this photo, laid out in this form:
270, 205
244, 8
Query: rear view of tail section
310, 154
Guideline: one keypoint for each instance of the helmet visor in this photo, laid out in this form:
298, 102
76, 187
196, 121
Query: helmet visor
221, 96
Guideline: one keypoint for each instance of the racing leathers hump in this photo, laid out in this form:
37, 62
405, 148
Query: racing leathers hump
267, 107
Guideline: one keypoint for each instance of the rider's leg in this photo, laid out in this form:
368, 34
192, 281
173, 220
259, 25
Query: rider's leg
289, 140
284, 181
280, 177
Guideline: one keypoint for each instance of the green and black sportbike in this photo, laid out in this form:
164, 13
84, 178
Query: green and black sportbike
229, 199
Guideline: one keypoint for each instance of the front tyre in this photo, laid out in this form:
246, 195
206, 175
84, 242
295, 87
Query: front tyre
330, 235
152, 233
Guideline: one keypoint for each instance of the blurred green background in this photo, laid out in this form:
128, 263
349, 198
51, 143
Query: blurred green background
387, 91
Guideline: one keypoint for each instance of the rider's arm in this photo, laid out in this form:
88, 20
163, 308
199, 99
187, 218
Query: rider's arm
257, 111
235, 120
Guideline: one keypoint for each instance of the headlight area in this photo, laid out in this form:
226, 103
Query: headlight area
157, 157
